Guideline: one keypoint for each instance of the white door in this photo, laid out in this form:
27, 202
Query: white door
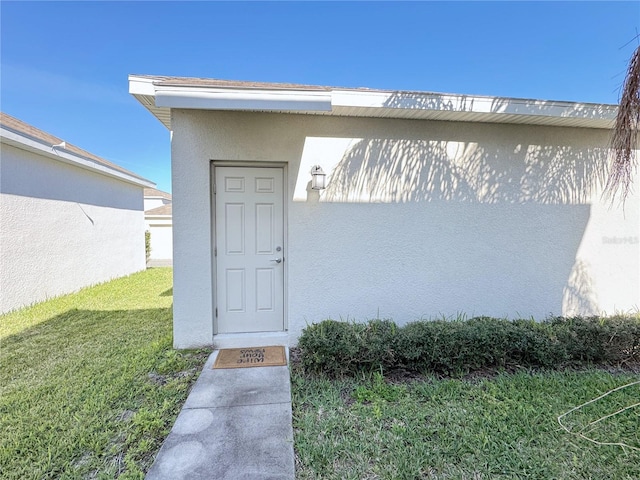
249, 249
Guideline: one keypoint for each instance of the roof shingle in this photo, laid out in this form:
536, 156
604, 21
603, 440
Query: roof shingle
162, 210
18, 126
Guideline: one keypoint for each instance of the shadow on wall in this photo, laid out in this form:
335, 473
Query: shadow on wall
479, 105
579, 298
506, 209
396, 170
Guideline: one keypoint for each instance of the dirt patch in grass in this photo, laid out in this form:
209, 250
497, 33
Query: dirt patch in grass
399, 376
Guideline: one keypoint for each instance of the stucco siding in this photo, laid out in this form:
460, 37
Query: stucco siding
63, 228
192, 248
150, 203
420, 219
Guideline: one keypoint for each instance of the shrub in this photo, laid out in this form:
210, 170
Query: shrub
622, 339
417, 345
435, 346
535, 344
463, 346
378, 345
147, 244
599, 340
331, 347
456, 347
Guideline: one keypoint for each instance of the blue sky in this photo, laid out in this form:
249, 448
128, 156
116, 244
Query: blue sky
64, 65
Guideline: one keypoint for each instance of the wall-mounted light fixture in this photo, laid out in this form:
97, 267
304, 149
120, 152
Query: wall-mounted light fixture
318, 178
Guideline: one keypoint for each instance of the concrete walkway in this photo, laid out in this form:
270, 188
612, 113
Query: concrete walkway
235, 425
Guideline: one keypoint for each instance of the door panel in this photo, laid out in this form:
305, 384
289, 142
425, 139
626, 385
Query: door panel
234, 229
236, 291
250, 249
265, 290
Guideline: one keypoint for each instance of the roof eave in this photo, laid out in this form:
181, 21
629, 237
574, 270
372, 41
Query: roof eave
470, 108
22, 142
242, 99
159, 98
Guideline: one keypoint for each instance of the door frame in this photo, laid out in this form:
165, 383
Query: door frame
285, 225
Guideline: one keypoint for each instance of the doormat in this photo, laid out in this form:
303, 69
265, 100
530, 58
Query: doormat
250, 357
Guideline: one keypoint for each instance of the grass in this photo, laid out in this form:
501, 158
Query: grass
89, 382
90, 386
500, 427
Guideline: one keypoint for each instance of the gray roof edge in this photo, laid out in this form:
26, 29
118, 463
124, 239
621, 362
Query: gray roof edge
31, 143
463, 106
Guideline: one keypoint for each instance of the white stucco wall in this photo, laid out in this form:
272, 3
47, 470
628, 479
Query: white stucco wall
161, 237
155, 202
63, 228
420, 219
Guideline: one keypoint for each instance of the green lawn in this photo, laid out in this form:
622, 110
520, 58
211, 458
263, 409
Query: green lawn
90, 386
89, 383
502, 427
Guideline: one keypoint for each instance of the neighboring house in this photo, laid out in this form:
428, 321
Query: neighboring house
154, 198
157, 217
68, 219
434, 205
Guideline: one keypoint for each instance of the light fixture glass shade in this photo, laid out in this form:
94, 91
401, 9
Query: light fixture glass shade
318, 178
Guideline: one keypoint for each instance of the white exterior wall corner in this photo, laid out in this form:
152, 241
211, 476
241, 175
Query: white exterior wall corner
420, 219
56, 239
192, 232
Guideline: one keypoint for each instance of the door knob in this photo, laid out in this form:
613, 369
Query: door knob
277, 260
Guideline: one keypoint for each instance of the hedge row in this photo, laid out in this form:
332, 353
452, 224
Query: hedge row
457, 347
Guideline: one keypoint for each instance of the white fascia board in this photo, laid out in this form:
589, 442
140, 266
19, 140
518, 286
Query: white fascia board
141, 85
14, 139
471, 104
242, 99
249, 99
